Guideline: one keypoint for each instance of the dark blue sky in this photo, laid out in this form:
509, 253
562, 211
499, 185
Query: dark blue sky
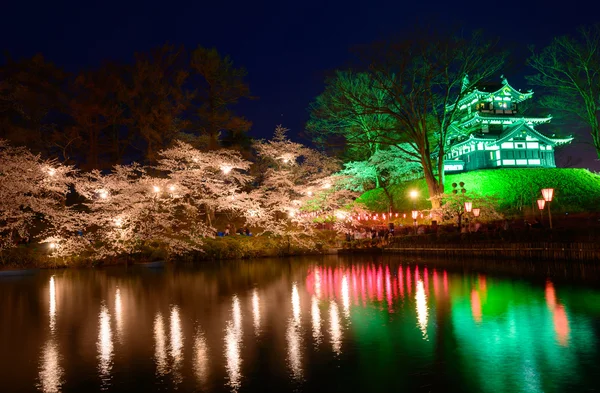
287, 47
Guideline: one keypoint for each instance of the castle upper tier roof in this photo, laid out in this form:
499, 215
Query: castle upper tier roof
490, 91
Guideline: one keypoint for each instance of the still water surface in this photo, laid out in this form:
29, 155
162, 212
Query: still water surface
367, 324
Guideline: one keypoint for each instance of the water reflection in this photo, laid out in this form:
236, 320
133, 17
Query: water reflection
346, 296
119, 315
510, 335
422, 312
559, 315
176, 343
51, 373
233, 342
52, 308
256, 311
335, 329
476, 305
315, 314
293, 336
201, 357
105, 346
160, 345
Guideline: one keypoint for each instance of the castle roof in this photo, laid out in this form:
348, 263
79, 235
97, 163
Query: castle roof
518, 129
490, 91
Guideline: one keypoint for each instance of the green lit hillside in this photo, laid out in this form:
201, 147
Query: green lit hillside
577, 190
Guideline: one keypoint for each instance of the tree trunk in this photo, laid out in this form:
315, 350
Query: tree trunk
435, 187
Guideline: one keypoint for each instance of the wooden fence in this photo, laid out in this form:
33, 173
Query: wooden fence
588, 251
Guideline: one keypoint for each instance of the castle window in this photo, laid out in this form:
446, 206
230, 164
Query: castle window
519, 145
532, 145
480, 146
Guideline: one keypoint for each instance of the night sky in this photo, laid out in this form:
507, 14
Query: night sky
287, 47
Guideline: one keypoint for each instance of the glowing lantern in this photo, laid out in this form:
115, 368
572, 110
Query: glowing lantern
171, 188
396, 214
415, 214
468, 206
156, 189
404, 215
548, 193
383, 216
476, 212
541, 204
52, 245
226, 169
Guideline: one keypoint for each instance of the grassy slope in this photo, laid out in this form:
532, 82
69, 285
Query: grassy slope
576, 190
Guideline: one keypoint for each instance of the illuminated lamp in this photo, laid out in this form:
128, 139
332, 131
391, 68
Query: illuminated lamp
548, 193
476, 212
415, 214
541, 204
468, 206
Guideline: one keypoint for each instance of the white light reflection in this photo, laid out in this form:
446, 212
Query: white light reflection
176, 343
104, 345
422, 313
256, 311
316, 320
52, 304
346, 296
160, 345
335, 329
296, 303
51, 374
119, 315
293, 335
294, 352
233, 342
201, 357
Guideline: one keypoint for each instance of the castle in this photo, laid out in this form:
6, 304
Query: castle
491, 132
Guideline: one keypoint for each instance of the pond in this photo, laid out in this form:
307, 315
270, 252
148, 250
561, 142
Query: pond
310, 324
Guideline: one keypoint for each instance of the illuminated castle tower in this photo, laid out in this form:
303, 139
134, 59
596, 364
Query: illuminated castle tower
491, 132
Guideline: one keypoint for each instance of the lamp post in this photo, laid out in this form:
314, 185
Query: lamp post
414, 194
548, 193
541, 204
415, 214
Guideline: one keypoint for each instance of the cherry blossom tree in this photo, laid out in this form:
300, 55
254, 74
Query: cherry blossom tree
33, 197
298, 181
168, 204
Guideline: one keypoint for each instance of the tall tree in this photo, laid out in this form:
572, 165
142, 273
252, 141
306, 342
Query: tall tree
219, 86
337, 115
97, 114
155, 98
423, 79
31, 92
569, 68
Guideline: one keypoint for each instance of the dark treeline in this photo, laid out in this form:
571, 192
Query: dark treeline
123, 112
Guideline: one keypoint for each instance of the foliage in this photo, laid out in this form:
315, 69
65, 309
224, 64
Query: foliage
221, 86
421, 80
569, 68
337, 117
296, 180
98, 117
576, 190
32, 197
